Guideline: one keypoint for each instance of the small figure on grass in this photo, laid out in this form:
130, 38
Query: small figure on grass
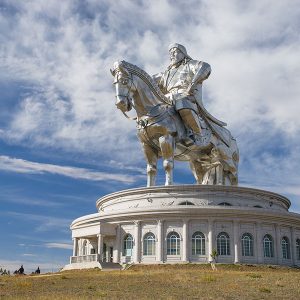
21, 270
214, 255
37, 271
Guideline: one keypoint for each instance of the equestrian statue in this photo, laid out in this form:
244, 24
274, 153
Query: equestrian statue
172, 122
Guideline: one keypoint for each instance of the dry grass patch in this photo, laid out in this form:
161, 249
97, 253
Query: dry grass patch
264, 290
209, 278
254, 275
190, 281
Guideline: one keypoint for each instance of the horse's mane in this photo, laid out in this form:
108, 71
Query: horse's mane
146, 78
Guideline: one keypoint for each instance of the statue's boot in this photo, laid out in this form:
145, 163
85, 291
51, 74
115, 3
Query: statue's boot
191, 121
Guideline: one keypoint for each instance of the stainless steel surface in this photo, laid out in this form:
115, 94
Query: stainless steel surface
172, 122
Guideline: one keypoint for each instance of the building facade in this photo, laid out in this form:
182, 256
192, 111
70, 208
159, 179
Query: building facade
180, 224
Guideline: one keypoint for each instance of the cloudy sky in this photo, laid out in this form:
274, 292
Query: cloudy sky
63, 144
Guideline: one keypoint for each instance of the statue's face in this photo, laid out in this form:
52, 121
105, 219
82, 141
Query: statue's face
176, 55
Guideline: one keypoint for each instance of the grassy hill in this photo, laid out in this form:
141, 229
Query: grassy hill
190, 281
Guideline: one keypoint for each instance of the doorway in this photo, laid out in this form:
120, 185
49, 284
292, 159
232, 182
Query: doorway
104, 256
111, 254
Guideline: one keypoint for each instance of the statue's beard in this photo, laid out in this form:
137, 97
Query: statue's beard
175, 61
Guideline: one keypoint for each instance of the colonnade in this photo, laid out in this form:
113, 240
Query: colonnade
210, 241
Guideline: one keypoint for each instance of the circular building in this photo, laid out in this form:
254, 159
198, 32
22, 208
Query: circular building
187, 223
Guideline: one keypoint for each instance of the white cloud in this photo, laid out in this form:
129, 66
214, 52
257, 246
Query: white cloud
59, 245
42, 223
64, 53
24, 166
60, 53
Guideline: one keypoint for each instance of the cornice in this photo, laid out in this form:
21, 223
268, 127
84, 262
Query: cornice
201, 190
230, 213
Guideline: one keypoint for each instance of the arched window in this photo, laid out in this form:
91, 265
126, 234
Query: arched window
127, 245
149, 244
285, 247
224, 204
268, 246
186, 203
247, 244
173, 243
198, 243
298, 249
223, 244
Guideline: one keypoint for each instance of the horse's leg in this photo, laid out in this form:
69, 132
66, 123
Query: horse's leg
151, 159
214, 175
219, 174
197, 170
167, 149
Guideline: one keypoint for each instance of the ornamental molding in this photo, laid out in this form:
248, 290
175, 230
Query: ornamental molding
216, 214
198, 192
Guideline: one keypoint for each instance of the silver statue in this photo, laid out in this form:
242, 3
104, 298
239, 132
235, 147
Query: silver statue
172, 121
182, 84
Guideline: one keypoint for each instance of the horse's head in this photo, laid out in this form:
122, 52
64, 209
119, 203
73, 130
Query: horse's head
123, 83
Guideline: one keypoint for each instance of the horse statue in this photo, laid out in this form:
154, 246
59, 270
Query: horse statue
163, 134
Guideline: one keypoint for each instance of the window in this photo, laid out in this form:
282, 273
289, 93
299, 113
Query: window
186, 203
247, 244
257, 206
224, 204
285, 247
223, 244
128, 245
298, 249
173, 243
268, 246
149, 244
198, 243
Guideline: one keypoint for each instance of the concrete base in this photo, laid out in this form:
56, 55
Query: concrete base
79, 266
242, 218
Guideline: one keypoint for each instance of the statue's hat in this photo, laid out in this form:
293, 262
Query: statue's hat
181, 48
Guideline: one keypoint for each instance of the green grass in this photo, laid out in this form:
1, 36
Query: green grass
190, 281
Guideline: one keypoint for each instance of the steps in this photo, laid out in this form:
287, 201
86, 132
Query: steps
110, 266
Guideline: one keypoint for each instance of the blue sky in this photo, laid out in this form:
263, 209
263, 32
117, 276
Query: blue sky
63, 144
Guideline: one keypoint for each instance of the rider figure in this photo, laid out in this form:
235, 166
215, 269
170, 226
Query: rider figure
182, 83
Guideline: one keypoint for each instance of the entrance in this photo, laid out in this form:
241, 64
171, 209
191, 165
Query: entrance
104, 253
111, 253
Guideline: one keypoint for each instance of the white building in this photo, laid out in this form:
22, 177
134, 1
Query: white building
179, 224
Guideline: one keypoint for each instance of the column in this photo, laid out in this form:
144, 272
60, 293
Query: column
75, 246
278, 244
293, 247
137, 242
117, 248
210, 239
185, 244
159, 247
259, 243
80, 252
100, 246
236, 242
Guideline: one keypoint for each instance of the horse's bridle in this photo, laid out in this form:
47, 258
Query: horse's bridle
127, 96
143, 123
